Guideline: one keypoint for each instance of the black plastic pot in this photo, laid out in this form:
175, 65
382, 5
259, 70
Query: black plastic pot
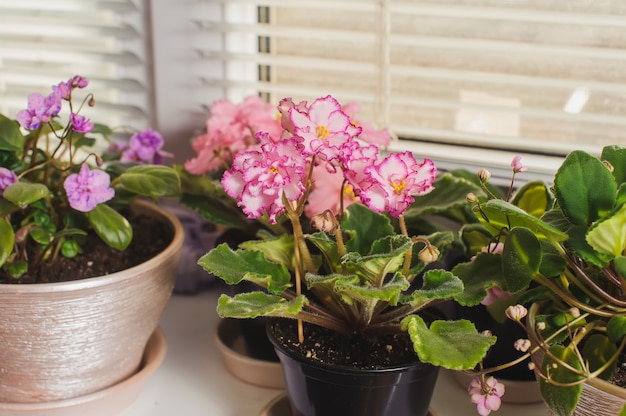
318, 389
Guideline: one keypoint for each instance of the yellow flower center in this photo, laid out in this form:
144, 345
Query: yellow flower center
354, 124
348, 191
398, 186
322, 132
273, 170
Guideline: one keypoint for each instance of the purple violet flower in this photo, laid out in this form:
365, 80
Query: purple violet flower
7, 177
39, 110
88, 188
145, 146
80, 123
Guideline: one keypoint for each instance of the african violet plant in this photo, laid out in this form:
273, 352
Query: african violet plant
54, 187
571, 255
360, 271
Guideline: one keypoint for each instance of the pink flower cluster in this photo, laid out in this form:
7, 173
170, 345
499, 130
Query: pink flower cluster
323, 139
486, 395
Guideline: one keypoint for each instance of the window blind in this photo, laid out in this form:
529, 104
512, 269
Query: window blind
46, 42
467, 81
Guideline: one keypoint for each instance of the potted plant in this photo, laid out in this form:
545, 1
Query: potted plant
572, 258
86, 269
357, 276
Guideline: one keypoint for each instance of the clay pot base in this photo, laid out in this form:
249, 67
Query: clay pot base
108, 402
231, 345
279, 406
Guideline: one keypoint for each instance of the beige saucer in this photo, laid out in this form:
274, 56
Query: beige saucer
232, 349
108, 402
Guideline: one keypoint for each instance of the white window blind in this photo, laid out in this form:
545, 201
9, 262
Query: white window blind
465, 81
45, 42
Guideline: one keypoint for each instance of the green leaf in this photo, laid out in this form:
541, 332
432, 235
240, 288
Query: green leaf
438, 284
277, 250
16, 269
253, 304
151, 180
616, 156
502, 214
533, 197
521, 258
477, 276
24, 193
620, 266
561, 399
11, 138
7, 239
111, 226
585, 189
70, 248
388, 292
235, 266
475, 237
215, 210
364, 227
616, 328
599, 350
387, 256
449, 192
608, 235
451, 344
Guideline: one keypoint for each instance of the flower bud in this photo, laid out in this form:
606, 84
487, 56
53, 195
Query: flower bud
516, 312
471, 198
484, 175
575, 312
531, 366
428, 254
325, 222
522, 345
487, 333
541, 326
516, 164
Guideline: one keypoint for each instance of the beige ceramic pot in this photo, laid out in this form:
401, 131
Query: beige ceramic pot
64, 340
600, 397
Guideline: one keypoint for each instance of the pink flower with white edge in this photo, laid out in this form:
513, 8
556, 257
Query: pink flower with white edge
87, 188
258, 179
487, 396
323, 127
355, 159
396, 179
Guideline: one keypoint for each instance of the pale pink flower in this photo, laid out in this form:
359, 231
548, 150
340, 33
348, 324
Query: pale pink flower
487, 396
522, 344
365, 131
326, 192
323, 128
7, 178
258, 179
516, 164
516, 312
396, 179
494, 293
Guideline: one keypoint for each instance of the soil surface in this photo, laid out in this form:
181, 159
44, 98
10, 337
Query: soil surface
619, 378
149, 238
354, 350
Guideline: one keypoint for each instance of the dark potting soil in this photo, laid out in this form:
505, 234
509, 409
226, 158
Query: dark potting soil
619, 378
355, 350
150, 237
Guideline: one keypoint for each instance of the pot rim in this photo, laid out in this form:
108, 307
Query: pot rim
122, 275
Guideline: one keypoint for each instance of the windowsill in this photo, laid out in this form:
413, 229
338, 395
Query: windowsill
192, 380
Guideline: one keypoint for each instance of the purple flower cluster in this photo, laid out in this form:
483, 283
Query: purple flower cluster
41, 109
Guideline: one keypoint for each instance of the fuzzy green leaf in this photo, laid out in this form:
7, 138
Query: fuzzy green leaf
451, 344
235, 266
449, 192
438, 284
150, 180
616, 156
277, 250
23, 193
585, 189
478, 276
389, 292
608, 235
387, 257
364, 227
11, 138
598, 351
7, 238
254, 304
620, 265
561, 399
111, 226
475, 237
